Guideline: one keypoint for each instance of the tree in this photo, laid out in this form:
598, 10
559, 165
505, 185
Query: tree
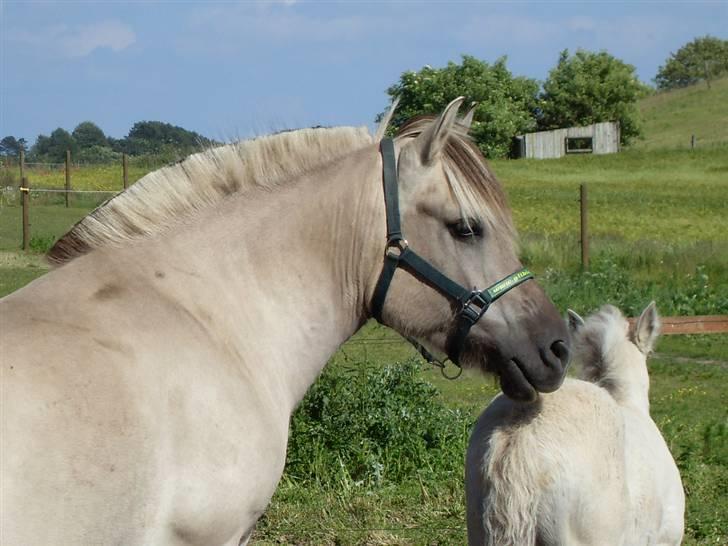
88, 134
704, 58
53, 148
588, 88
505, 104
11, 146
154, 137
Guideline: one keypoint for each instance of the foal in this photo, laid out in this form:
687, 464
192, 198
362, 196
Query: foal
584, 465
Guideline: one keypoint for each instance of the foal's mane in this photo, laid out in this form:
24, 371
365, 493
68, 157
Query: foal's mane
165, 196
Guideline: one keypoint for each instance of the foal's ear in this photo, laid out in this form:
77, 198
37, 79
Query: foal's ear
467, 120
647, 329
575, 321
432, 141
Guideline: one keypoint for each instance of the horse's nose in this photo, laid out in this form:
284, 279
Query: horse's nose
561, 350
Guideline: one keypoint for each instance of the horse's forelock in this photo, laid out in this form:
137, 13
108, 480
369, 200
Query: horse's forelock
475, 187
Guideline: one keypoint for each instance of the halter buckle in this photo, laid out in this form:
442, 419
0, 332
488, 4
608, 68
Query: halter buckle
475, 306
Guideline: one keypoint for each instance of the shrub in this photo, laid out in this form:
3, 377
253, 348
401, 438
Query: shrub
374, 425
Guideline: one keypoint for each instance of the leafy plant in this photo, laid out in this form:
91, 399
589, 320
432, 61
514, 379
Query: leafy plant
374, 424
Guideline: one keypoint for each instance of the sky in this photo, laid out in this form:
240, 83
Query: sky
239, 69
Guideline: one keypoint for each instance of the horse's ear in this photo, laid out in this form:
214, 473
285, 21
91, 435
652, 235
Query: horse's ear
432, 141
647, 329
467, 120
575, 321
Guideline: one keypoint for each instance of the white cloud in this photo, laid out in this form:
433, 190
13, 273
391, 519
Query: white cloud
76, 41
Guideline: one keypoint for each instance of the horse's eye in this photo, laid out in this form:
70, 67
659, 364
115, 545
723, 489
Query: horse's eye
466, 228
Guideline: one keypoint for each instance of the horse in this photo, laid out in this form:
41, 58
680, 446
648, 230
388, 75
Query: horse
148, 379
585, 465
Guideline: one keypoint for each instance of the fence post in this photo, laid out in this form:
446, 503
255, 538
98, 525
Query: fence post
584, 229
68, 175
22, 166
692, 142
125, 170
25, 199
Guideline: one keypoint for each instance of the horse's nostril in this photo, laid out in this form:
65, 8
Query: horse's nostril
561, 350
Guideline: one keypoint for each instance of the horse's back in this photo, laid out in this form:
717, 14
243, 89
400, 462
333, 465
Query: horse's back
552, 472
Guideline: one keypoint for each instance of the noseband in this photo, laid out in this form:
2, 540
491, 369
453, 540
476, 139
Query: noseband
472, 304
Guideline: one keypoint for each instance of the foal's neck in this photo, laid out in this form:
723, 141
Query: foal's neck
626, 377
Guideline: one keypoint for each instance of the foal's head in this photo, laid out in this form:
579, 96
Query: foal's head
613, 353
455, 215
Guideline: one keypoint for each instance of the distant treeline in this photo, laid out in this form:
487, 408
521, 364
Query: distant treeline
88, 143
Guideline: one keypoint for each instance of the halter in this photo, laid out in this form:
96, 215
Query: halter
472, 304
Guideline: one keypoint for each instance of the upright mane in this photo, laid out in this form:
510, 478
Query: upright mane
163, 197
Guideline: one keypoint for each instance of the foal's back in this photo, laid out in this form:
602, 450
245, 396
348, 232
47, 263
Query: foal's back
585, 465
549, 473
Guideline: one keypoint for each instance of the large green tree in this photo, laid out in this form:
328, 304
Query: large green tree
506, 104
704, 58
589, 87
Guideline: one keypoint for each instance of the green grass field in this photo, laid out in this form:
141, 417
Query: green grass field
658, 222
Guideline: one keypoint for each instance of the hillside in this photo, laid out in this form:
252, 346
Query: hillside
670, 118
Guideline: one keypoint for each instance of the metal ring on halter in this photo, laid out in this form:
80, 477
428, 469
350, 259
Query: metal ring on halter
432, 359
451, 377
397, 243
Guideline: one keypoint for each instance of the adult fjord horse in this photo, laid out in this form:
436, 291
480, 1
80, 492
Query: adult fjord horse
148, 381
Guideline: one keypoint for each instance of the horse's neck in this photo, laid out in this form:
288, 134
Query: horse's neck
290, 269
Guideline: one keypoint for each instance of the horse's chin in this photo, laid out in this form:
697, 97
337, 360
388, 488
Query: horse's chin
514, 384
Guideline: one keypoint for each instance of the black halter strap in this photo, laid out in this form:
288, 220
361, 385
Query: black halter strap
472, 303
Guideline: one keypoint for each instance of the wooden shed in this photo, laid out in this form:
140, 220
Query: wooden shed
598, 138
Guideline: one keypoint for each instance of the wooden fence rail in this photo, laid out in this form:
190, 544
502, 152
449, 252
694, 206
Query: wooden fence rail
706, 324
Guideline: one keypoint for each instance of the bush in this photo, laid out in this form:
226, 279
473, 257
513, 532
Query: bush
375, 425
98, 154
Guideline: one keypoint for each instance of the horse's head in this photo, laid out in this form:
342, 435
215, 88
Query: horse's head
454, 215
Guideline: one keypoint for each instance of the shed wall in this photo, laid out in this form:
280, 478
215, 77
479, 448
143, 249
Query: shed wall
551, 144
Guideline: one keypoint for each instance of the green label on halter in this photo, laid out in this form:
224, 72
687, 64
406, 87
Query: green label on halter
511, 281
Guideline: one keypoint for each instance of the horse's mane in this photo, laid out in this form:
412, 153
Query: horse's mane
163, 197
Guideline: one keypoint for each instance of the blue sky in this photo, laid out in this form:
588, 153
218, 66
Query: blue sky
236, 69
